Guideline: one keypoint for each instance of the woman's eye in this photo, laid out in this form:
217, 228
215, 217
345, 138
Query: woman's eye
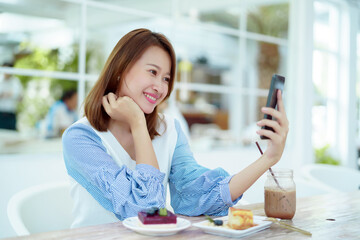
153, 72
167, 79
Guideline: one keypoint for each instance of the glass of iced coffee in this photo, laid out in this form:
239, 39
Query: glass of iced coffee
280, 194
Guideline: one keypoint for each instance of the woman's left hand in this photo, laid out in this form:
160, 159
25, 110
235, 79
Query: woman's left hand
277, 139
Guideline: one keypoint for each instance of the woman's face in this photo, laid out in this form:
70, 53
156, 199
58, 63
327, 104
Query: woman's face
147, 81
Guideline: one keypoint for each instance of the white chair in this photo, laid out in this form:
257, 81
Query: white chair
333, 178
308, 188
41, 208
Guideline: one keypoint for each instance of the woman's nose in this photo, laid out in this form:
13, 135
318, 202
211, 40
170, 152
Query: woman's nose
159, 85
157, 88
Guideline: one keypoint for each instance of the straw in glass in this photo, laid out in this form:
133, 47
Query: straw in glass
272, 173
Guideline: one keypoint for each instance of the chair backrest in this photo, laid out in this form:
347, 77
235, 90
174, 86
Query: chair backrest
41, 208
335, 178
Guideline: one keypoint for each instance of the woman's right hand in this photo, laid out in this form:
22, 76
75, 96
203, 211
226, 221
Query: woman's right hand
277, 141
123, 109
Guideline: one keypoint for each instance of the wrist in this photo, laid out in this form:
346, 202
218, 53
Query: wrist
138, 123
139, 131
268, 161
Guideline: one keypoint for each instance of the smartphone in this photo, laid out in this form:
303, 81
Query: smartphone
277, 83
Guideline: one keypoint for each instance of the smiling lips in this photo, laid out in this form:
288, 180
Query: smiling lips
151, 97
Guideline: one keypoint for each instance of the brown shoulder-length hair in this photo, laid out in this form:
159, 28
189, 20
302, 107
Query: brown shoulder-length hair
124, 55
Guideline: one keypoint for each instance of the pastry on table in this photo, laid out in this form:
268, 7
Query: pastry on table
240, 219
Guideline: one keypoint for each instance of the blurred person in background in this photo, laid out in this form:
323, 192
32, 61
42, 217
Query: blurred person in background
61, 114
10, 95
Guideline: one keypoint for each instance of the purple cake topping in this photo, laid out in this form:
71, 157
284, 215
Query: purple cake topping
155, 218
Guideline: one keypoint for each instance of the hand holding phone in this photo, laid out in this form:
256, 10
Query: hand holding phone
277, 83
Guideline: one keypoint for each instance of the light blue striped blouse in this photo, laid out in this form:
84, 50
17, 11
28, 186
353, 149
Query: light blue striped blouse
194, 190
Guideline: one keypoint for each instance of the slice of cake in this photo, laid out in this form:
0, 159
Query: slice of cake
158, 218
240, 219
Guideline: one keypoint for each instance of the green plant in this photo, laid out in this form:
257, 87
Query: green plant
270, 20
41, 92
323, 156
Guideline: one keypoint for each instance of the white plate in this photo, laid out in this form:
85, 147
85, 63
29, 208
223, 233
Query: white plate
133, 224
222, 231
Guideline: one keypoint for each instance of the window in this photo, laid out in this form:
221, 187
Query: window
334, 74
227, 52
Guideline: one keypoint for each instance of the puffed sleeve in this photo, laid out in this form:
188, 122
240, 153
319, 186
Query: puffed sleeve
117, 188
196, 190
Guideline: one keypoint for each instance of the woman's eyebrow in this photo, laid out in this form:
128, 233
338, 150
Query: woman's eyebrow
156, 66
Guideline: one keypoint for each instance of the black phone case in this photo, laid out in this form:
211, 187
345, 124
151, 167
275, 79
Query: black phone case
277, 82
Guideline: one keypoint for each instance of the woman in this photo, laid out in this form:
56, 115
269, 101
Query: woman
123, 153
